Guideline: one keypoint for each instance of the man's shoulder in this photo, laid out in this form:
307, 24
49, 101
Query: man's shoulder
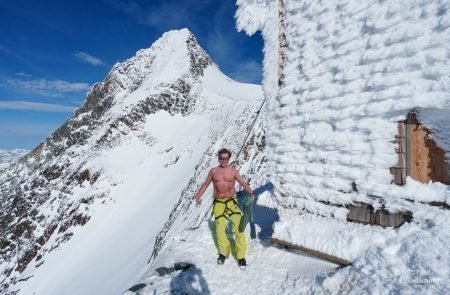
213, 170
232, 170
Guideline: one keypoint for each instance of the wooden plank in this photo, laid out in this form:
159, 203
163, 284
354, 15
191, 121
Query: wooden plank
365, 213
398, 176
359, 212
403, 168
399, 170
387, 219
322, 255
402, 136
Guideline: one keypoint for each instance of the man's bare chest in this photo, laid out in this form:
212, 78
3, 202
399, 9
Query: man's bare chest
223, 177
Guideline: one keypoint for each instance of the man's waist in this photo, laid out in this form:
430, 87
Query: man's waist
224, 197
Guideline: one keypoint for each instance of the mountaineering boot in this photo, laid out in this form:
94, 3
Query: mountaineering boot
242, 263
220, 259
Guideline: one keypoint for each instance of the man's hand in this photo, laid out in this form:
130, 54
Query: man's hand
203, 188
239, 179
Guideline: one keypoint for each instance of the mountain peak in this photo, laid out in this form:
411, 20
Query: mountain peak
182, 34
176, 54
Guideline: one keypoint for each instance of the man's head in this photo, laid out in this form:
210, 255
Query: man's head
224, 157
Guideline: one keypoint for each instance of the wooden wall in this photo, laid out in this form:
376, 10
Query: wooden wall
428, 162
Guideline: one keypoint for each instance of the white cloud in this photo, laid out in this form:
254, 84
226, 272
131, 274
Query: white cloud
88, 58
49, 88
35, 106
22, 74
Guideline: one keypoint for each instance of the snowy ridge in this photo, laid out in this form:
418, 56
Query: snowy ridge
89, 192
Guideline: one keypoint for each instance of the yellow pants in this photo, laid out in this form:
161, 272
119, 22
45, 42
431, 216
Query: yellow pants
228, 207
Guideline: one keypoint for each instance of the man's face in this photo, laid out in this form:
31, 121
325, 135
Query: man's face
224, 159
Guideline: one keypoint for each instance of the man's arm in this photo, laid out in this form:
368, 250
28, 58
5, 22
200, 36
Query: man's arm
203, 188
244, 184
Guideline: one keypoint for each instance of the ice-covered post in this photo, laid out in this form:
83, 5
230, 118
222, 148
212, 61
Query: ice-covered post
282, 42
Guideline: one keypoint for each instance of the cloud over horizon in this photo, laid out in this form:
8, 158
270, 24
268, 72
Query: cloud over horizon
89, 59
35, 106
55, 88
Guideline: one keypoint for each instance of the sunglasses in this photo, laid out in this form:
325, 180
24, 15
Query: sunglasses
224, 158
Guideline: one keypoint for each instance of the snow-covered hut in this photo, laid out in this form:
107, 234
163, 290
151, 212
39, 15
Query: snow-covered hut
357, 95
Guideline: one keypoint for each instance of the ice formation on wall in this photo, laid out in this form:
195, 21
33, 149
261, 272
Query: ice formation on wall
353, 69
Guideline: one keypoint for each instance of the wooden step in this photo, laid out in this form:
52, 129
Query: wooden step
340, 261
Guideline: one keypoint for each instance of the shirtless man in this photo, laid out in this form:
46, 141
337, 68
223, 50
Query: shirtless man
223, 178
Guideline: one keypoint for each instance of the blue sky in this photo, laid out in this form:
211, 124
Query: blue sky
52, 51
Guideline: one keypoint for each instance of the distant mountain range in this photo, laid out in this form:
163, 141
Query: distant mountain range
7, 156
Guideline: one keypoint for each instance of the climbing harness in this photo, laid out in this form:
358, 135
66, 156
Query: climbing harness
226, 210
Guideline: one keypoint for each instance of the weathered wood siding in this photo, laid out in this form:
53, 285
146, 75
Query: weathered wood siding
365, 213
428, 162
418, 154
399, 170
